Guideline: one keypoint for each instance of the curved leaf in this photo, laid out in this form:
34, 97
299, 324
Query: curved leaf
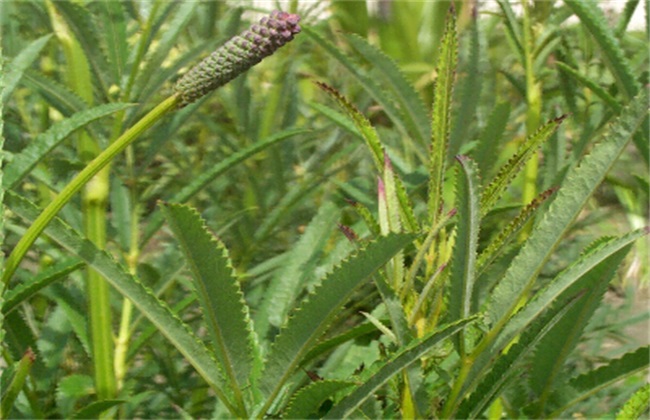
396, 364
224, 311
38, 148
310, 321
306, 402
20, 63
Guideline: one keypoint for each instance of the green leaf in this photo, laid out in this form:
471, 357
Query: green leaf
508, 365
95, 409
441, 115
315, 314
224, 310
130, 287
16, 383
580, 184
486, 152
507, 234
463, 264
513, 28
289, 281
80, 21
591, 85
306, 402
509, 171
23, 291
56, 94
371, 87
401, 360
20, 63
210, 175
554, 349
592, 17
414, 112
112, 19
636, 406
598, 379
44, 143
544, 298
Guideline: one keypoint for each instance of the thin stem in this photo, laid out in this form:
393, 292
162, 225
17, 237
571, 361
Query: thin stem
103, 159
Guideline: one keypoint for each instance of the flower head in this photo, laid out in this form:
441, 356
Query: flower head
238, 55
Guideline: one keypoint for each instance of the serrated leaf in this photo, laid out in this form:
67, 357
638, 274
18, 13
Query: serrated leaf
289, 281
224, 310
591, 85
507, 367
505, 235
316, 313
401, 360
580, 184
210, 175
24, 161
636, 405
130, 287
509, 171
112, 18
598, 379
563, 281
59, 96
441, 115
95, 409
594, 20
561, 340
463, 264
306, 402
23, 291
20, 63
367, 131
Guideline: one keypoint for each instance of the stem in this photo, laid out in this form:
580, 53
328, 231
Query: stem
79, 181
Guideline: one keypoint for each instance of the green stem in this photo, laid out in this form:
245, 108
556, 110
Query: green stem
79, 181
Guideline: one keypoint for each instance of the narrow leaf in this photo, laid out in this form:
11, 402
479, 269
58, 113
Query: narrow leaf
24, 161
580, 183
310, 321
593, 18
224, 310
20, 63
463, 264
441, 121
401, 360
130, 287
509, 171
306, 402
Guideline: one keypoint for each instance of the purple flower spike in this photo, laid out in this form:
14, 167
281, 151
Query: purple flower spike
237, 55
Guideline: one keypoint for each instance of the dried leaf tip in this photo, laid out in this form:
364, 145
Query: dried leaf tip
237, 55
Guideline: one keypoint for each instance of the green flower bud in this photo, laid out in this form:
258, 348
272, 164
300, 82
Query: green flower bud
237, 55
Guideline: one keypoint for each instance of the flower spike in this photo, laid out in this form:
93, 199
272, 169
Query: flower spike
237, 55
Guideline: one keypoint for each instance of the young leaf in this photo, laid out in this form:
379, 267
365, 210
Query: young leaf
508, 171
580, 183
463, 263
224, 310
441, 121
401, 360
636, 406
310, 321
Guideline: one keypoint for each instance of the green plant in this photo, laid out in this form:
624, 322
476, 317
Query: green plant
394, 263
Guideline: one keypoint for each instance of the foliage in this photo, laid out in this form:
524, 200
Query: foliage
425, 210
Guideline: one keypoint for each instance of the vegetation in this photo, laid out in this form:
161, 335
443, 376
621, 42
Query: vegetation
425, 210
